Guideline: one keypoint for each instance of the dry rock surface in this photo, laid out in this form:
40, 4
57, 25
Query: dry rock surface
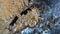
26, 15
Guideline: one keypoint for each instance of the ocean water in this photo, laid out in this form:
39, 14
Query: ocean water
54, 11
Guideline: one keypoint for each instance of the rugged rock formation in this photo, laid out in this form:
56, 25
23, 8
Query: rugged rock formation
16, 15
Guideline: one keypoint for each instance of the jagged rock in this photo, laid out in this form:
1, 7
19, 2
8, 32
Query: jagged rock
27, 13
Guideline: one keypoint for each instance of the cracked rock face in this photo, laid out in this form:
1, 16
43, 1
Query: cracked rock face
30, 20
15, 15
